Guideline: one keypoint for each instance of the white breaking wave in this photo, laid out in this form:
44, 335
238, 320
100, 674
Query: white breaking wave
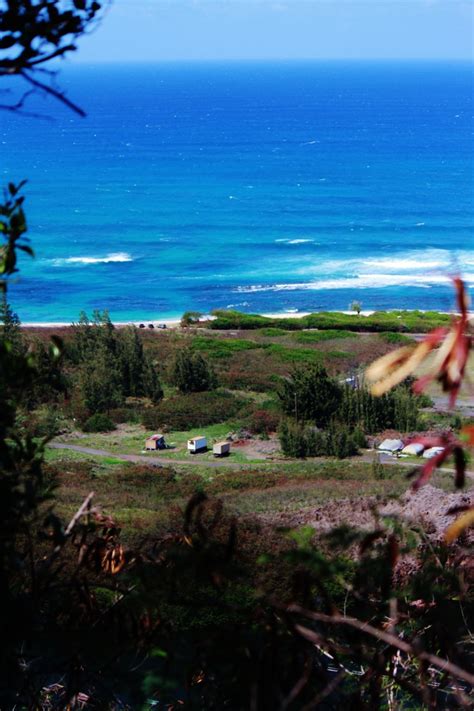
295, 241
113, 257
365, 281
437, 262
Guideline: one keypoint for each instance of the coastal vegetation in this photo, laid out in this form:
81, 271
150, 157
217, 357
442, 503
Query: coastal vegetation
393, 321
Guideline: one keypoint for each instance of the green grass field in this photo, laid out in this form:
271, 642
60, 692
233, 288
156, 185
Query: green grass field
130, 439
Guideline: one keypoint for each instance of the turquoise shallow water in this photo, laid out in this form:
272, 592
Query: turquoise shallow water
263, 187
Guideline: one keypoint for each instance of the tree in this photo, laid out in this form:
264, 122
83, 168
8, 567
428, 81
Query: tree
310, 394
189, 318
132, 362
151, 383
355, 306
34, 32
191, 373
50, 381
101, 384
10, 327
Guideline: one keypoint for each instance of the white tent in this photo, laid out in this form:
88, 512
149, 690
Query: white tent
391, 445
432, 452
413, 450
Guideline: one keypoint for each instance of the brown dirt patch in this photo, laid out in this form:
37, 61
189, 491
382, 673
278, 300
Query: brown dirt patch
430, 508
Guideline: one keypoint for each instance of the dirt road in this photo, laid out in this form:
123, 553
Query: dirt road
155, 462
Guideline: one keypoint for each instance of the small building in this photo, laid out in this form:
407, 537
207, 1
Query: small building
197, 444
413, 450
221, 449
391, 445
432, 452
156, 441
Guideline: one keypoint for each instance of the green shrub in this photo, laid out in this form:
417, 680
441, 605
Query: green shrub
183, 412
379, 321
189, 318
396, 338
222, 347
47, 423
318, 336
341, 443
130, 415
99, 423
339, 354
294, 355
359, 438
299, 441
273, 332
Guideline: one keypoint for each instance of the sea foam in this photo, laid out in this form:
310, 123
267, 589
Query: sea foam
365, 281
83, 261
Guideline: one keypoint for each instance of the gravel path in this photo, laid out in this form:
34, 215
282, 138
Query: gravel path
155, 462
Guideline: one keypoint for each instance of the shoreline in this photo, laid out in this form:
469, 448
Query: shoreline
176, 322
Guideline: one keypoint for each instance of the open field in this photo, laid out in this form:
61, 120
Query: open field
143, 498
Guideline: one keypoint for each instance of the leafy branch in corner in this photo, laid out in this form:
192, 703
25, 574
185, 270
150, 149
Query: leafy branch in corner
36, 32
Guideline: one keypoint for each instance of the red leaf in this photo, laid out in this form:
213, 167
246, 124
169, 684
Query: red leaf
428, 468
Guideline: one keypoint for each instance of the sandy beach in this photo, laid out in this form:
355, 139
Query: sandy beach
176, 322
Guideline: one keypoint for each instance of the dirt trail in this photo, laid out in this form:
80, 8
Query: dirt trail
155, 462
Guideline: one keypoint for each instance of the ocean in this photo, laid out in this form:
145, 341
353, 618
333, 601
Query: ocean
262, 187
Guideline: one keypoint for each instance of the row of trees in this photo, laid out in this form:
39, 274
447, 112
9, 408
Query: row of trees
311, 395
326, 418
298, 440
100, 367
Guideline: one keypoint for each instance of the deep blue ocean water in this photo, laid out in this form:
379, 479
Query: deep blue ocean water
262, 187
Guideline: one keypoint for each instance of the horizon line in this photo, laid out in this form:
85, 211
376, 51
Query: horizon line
263, 60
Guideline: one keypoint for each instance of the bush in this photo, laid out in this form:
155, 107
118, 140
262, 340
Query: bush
359, 438
130, 415
297, 440
272, 332
189, 318
408, 321
396, 338
99, 423
47, 423
262, 422
183, 412
318, 336
341, 443
222, 347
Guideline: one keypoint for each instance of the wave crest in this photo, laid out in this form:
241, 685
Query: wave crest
366, 281
84, 261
